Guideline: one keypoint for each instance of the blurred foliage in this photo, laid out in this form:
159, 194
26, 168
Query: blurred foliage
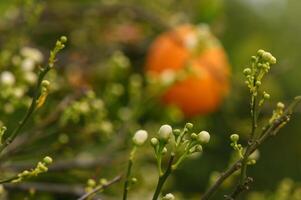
100, 96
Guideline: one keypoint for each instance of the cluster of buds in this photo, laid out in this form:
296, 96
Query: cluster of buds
260, 65
44, 93
237, 147
277, 113
59, 45
92, 184
2, 131
41, 167
181, 143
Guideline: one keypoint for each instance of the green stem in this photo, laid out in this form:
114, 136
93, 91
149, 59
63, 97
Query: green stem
8, 180
163, 178
128, 174
29, 112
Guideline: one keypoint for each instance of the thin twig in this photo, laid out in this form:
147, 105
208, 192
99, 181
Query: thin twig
268, 131
101, 187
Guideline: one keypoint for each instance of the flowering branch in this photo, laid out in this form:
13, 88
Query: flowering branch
40, 92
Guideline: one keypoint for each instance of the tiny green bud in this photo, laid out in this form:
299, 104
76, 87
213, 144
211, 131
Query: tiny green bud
234, 137
164, 151
258, 83
176, 132
63, 39
247, 71
280, 105
198, 148
189, 126
154, 141
91, 182
203, 137
134, 180
45, 83
194, 136
48, 160
164, 132
103, 181
140, 137
260, 52
266, 95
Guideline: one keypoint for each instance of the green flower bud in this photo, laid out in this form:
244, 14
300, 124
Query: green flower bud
134, 180
189, 126
48, 160
164, 151
194, 136
198, 148
260, 52
266, 95
247, 71
63, 39
280, 105
176, 132
91, 183
258, 83
45, 83
103, 181
234, 137
154, 141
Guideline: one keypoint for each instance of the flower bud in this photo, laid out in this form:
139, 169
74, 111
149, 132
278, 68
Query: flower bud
260, 52
45, 83
247, 71
198, 148
91, 183
234, 137
280, 105
203, 137
154, 141
140, 137
176, 132
48, 160
63, 39
194, 136
266, 95
164, 150
189, 126
168, 196
164, 132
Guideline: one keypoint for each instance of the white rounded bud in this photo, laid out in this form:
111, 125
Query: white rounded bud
203, 137
140, 137
154, 141
168, 196
7, 78
164, 132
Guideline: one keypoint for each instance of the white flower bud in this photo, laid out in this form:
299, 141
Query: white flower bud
154, 141
164, 132
7, 78
203, 137
168, 196
140, 137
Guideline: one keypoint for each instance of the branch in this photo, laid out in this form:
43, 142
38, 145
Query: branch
101, 187
266, 133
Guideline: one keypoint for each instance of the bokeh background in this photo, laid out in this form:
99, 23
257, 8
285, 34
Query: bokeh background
106, 34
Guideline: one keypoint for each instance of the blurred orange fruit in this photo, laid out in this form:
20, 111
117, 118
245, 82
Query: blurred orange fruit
202, 91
